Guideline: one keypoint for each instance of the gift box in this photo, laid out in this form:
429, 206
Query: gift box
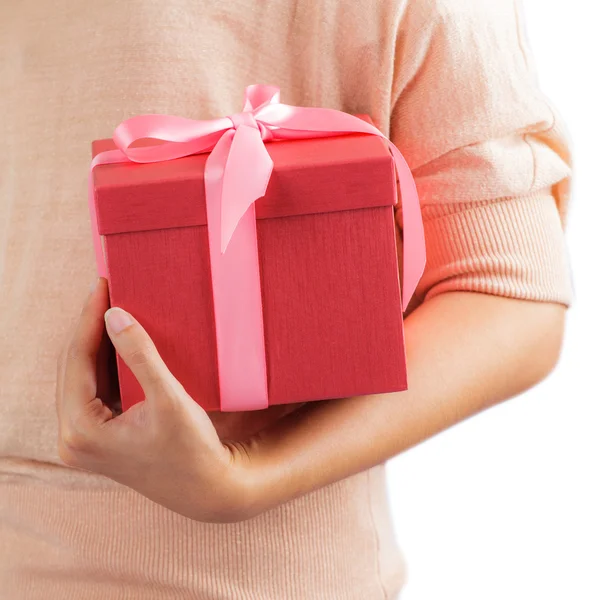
329, 299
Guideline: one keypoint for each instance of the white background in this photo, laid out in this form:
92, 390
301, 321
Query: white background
506, 505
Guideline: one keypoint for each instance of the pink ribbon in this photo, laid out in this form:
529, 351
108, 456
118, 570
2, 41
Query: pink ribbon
237, 173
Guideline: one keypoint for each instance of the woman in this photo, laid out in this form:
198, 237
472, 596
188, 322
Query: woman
288, 502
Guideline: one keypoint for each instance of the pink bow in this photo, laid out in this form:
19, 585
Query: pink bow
237, 173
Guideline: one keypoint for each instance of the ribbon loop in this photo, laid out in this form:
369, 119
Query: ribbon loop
259, 95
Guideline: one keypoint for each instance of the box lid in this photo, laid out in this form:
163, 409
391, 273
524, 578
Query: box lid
309, 176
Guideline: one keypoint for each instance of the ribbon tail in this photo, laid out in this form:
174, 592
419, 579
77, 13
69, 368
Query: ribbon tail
237, 298
413, 234
247, 173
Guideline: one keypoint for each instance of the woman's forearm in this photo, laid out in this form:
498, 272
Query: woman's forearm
465, 352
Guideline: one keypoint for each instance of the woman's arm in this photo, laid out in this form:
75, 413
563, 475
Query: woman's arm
466, 352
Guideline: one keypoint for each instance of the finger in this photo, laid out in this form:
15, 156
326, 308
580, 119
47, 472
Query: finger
139, 353
79, 380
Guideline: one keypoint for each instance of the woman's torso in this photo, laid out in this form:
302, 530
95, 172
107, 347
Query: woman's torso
69, 72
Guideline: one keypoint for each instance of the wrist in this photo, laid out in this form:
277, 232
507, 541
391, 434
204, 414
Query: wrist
234, 492
253, 491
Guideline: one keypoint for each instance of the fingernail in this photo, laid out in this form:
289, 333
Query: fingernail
94, 285
117, 319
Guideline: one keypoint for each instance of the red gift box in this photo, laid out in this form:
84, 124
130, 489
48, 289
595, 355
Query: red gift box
328, 265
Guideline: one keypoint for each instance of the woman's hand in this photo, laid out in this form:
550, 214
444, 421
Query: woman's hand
166, 447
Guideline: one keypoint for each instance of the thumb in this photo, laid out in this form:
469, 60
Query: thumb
139, 353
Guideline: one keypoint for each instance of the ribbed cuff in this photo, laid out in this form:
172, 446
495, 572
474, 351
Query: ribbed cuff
512, 247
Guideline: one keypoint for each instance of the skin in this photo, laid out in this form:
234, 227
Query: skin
465, 353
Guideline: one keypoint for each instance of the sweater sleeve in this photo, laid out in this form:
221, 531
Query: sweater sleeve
488, 152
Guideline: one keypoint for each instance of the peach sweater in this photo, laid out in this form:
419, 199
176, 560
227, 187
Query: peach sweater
450, 80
